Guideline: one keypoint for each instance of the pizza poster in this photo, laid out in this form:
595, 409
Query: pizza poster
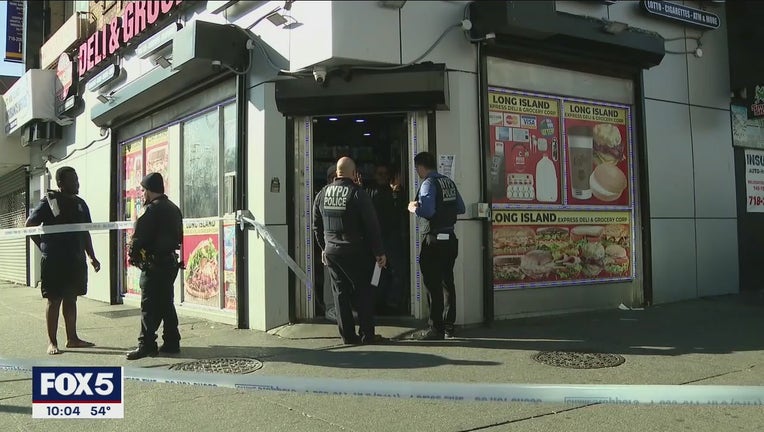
158, 155
543, 248
201, 253
229, 264
526, 149
597, 145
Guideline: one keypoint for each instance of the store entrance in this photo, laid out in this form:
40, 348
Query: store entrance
378, 144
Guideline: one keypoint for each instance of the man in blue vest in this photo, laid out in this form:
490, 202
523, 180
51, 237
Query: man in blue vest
437, 205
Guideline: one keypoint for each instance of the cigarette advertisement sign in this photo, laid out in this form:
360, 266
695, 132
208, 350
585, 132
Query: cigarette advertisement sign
543, 248
526, 165
598, 154
201, 253
754, 181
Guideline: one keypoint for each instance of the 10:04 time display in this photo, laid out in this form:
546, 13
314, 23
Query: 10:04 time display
63, 411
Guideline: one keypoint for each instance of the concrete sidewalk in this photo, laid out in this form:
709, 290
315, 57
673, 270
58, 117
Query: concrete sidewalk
713, 341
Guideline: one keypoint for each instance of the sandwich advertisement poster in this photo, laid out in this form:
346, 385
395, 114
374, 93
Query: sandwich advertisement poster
543, 248
597, 153
526, 157
132, 197
201, 253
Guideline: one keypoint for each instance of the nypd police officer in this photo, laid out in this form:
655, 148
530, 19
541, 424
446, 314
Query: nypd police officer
347, 230
158, 235
437, 205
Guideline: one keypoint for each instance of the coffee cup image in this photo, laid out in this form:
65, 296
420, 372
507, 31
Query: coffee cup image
607, 182
581, 144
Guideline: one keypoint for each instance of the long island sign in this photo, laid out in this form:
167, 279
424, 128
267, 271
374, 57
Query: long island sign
677, 12
136, 17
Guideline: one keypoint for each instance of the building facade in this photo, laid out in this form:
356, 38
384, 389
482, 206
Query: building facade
591, 141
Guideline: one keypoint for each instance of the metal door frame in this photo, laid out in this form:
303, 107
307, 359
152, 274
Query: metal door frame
417, 141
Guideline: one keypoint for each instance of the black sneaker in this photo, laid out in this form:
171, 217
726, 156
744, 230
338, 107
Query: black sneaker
142, 352
450, 332
377, 339
428, 334
169, 349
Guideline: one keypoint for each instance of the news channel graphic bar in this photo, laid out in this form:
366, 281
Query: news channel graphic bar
78, 392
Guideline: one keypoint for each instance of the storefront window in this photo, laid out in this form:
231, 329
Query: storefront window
201, 166
206, 151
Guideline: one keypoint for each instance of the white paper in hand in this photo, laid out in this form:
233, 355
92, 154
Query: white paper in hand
376, 275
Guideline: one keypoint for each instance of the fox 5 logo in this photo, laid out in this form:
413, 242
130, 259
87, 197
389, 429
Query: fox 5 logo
77, 384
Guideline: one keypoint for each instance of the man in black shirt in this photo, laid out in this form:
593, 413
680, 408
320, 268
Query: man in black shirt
64, 270
348, 233
157, 238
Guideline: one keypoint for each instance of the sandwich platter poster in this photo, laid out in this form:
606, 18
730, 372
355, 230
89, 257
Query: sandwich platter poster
201, 253
543, 248
598, 154
132, 274
526, 150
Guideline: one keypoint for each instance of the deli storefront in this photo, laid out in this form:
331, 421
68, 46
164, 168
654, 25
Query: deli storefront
561, 143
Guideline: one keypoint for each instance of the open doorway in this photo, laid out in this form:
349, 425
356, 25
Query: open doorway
378, 144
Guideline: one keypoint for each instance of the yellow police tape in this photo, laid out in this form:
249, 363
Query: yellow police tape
570, 394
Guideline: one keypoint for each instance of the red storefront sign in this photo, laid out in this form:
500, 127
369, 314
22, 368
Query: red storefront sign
136, 17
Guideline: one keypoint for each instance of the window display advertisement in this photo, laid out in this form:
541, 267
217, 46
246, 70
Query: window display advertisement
158, 155
598, 154
201, 246
525, 145
132, 200
546, 248
229, 263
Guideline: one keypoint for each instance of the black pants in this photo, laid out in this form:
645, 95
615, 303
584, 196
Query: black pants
436, 261
351, 284
157, 305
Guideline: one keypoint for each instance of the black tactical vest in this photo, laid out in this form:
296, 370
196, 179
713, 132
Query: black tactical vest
445, 215
340, 212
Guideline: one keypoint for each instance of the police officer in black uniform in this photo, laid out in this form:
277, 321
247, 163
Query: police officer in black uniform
348, 233
437, 204
158, 235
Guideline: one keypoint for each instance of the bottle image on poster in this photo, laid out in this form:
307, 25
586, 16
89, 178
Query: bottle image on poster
598, 154
525, 153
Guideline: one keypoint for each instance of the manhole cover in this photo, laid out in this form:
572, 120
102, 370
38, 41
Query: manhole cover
579, 360
233, 366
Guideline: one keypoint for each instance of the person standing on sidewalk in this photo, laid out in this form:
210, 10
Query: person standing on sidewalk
347, 231
157, 238
64, 269
437, 205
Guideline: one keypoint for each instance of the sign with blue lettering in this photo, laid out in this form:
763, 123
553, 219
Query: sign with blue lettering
678, 12
77, 392
14, 31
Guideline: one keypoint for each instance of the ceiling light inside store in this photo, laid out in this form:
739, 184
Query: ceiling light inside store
367, 134
333, 119
359, 120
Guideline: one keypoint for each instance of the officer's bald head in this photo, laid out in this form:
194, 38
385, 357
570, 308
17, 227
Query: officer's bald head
345, 167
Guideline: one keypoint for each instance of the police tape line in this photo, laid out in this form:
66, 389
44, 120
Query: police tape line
63, 228
261, 230
568, 394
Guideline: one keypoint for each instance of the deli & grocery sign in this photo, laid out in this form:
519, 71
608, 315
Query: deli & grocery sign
136, 17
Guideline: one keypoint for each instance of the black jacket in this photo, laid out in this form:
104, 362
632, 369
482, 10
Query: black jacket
158, 232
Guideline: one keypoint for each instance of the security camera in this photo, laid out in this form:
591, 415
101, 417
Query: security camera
319, 74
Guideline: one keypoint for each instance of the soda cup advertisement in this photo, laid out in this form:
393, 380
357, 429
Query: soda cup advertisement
525, 149
543, 248
597, 138
201, 253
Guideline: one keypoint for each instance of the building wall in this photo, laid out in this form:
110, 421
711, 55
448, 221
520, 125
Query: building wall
690, 157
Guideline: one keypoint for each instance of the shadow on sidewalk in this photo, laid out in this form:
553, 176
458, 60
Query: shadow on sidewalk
346, 359
15, 409
717, 325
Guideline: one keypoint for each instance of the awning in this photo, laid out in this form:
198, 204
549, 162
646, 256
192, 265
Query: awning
536, 29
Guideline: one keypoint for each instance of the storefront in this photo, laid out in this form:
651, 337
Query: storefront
546, 135
14, 204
